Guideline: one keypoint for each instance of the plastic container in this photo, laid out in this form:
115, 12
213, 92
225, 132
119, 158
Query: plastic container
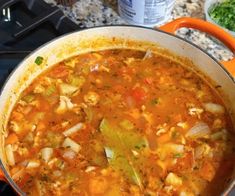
145, 12
208, 4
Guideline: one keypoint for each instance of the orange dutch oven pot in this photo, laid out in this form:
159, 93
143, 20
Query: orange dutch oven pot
108, 37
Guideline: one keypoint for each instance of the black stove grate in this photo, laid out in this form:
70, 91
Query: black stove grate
24, 26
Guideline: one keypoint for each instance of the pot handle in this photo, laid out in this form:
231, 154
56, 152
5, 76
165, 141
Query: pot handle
209, 28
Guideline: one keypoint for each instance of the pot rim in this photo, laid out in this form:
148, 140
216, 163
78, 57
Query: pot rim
6, 174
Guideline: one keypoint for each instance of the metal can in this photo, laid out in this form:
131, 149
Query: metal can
145, 12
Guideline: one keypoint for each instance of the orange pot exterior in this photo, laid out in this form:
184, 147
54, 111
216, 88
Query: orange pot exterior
209, 28
2, 178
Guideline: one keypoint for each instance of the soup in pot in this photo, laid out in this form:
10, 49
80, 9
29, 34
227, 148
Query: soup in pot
120, 122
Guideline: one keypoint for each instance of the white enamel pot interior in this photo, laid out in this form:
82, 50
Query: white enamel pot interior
103, 38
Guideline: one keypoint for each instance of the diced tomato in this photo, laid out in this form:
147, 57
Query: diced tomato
60, 72
138, 94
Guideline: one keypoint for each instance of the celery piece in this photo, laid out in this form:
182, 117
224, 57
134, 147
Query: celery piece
77, 81
50, 90
28, 98
86, 69
54, 139
67, 89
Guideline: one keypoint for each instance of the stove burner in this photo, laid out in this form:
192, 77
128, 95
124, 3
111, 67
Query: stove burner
24, 26
23, 22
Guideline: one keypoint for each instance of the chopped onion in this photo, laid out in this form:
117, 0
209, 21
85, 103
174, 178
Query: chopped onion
199, 130
73, 129
214, 108
10, 155
173, 179
89, 169
64, 105
109, 153
68, 143
33, 164
69, 154
57, 173
46, 154
148, 54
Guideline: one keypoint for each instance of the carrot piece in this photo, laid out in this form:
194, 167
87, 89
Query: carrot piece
207, 171
163, 138
12, 138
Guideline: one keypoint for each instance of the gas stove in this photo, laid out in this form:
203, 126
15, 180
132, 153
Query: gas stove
24, 26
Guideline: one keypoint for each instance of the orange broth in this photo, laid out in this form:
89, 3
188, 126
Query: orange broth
120, 122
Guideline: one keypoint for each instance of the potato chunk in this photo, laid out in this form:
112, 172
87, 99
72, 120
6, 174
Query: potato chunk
173, 179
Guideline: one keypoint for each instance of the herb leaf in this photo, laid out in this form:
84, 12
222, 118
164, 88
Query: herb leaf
119, 143
39, 60
224, 14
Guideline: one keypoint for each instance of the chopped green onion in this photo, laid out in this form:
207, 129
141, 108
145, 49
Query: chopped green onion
39, 60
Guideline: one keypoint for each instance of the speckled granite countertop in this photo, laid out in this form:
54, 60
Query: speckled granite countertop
88, 13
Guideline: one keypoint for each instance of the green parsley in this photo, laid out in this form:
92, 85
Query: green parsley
224, 14
39, 60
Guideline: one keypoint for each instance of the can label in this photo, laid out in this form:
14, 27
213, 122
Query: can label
145, 12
